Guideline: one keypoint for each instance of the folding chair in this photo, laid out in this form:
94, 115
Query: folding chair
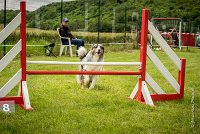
62, 46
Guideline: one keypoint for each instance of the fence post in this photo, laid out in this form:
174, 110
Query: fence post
23, 40
143, 51
181, 77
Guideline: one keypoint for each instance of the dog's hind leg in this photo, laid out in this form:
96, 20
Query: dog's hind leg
94, 79
78, 79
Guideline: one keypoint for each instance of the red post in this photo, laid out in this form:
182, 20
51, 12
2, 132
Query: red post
143, 51
23, 41
23, 38
181, 77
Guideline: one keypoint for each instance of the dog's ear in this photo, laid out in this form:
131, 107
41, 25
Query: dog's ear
91, 46
101, 46
94, 46
101, 58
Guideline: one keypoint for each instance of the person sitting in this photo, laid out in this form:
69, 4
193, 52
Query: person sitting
66, 32
174, 35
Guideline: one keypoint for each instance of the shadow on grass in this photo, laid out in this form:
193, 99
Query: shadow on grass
98, 88
102, 88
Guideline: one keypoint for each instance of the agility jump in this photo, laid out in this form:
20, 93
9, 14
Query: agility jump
140, 91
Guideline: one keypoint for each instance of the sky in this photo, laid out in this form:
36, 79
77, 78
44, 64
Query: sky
31, 5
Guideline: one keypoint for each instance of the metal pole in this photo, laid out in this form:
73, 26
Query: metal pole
180, 32
189, 34
99, 20
113, 22
124, 26
86, 16
61, 12
4, 47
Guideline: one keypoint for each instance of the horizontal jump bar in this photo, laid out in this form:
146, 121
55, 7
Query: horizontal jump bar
164, 97
166, 18
58, 72
86, 63
26, 45
17, 99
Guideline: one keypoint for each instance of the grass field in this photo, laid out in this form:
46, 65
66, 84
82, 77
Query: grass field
61, 106
45, 37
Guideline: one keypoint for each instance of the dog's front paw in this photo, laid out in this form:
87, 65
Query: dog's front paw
91, 87
82, 86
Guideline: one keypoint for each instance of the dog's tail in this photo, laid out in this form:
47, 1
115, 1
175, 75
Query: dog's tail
82, 52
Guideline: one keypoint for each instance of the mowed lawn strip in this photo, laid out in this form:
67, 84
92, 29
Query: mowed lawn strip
61, 106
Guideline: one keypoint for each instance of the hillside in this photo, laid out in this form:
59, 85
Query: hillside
48, 17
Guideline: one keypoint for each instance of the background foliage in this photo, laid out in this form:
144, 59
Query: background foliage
48, 17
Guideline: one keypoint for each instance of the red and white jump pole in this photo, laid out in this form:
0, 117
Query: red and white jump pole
143, 51
140, 92
20, 77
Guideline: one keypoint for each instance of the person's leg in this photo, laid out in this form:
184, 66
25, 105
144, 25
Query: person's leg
77, 42
82, 43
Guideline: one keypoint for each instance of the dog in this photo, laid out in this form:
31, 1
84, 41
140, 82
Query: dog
96, 54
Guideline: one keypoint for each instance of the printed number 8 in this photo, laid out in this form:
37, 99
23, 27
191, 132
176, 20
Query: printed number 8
6, 108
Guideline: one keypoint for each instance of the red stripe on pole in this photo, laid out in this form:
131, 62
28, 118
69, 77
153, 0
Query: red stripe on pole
57, 72
23, 38
181, 78
17, 99
163, 97
143, 51
143, 48
23, 41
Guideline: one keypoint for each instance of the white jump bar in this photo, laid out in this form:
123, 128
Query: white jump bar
86, 63
10, 28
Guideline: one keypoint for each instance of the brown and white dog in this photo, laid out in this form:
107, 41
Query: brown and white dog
96, 54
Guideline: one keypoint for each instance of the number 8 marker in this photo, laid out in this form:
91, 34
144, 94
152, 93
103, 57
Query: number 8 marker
6, 107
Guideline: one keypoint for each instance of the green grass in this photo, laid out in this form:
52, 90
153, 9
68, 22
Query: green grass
61, 106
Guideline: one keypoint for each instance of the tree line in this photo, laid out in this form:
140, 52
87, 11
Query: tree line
114, 14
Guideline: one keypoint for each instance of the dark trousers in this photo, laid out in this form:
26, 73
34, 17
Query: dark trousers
77, 42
